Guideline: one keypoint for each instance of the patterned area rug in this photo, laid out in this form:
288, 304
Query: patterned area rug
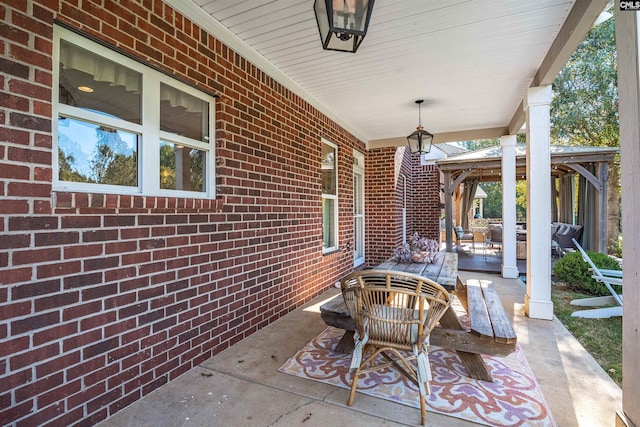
514, 399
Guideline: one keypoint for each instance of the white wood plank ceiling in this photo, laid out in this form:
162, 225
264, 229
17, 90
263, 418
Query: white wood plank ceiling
471, 60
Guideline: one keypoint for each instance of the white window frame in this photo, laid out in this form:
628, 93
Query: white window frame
358, 169
403, 179
333, 197
148, 155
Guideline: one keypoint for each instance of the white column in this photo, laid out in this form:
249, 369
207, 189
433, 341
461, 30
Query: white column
509, 265
537, 301
628, 46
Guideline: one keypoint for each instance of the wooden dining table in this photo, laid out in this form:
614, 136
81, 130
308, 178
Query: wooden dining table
486, 330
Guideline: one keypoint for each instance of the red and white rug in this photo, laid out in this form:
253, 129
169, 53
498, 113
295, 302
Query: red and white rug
513, 399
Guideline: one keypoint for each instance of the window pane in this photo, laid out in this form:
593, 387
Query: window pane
92, 82
328, 169
92, 153
358, 199
181, 168
183, 114
358, 234
328, 224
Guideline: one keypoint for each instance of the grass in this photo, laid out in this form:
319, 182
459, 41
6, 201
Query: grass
600, 337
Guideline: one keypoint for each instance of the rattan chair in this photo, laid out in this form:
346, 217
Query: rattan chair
394, 314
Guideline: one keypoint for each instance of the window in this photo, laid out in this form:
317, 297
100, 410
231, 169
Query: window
329, 196
358, 208
123, 127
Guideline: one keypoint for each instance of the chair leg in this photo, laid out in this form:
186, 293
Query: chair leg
354, 386
423, 411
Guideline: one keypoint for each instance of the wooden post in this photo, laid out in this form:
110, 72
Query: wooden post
628, 47
603, 206
448, 210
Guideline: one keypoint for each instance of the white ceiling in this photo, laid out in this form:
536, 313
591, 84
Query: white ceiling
470, 60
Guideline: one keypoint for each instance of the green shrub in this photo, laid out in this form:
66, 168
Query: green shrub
574, 271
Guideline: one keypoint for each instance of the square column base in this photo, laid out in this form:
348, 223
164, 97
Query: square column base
510, 272
538, 309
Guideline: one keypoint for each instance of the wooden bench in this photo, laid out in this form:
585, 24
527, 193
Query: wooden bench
491, 331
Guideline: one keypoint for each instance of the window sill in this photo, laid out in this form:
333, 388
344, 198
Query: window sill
331, 251
70, 201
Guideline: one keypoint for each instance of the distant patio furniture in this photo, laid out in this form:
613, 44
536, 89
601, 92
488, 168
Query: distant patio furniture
521, 242
394, 314
495, 235
464, 236
521, 249
607, 278
565, 234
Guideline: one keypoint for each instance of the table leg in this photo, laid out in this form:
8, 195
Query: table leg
476, 368
346, 343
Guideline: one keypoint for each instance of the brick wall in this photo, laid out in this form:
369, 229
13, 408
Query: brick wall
104, 298
425, 199
382, 209
384, 170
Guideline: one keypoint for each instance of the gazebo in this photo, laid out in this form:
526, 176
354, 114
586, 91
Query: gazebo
590, 163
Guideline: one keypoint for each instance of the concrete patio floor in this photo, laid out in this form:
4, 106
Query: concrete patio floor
242, 387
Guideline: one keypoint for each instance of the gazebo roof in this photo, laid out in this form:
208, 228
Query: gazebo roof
486, 164
480, 193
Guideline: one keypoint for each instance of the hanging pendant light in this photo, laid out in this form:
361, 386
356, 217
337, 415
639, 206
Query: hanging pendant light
420, 140
342, 23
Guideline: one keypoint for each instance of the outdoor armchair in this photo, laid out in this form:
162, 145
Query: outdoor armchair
394, 314
608, 278
464, 236
495, 235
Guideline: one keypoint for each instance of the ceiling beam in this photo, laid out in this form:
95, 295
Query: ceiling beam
573, 31
467, 135
470, 135
400, 141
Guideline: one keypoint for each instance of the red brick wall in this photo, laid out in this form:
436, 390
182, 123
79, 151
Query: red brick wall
104, 298
382, 212
384, 168
425, 199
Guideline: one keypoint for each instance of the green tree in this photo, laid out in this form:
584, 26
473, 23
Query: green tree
66, 172
479, 144
113, 162
492, 205
167, 166
584, 108
521, 200
197, 172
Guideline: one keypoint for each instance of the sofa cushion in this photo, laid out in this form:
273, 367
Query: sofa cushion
565, 233
561, 229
